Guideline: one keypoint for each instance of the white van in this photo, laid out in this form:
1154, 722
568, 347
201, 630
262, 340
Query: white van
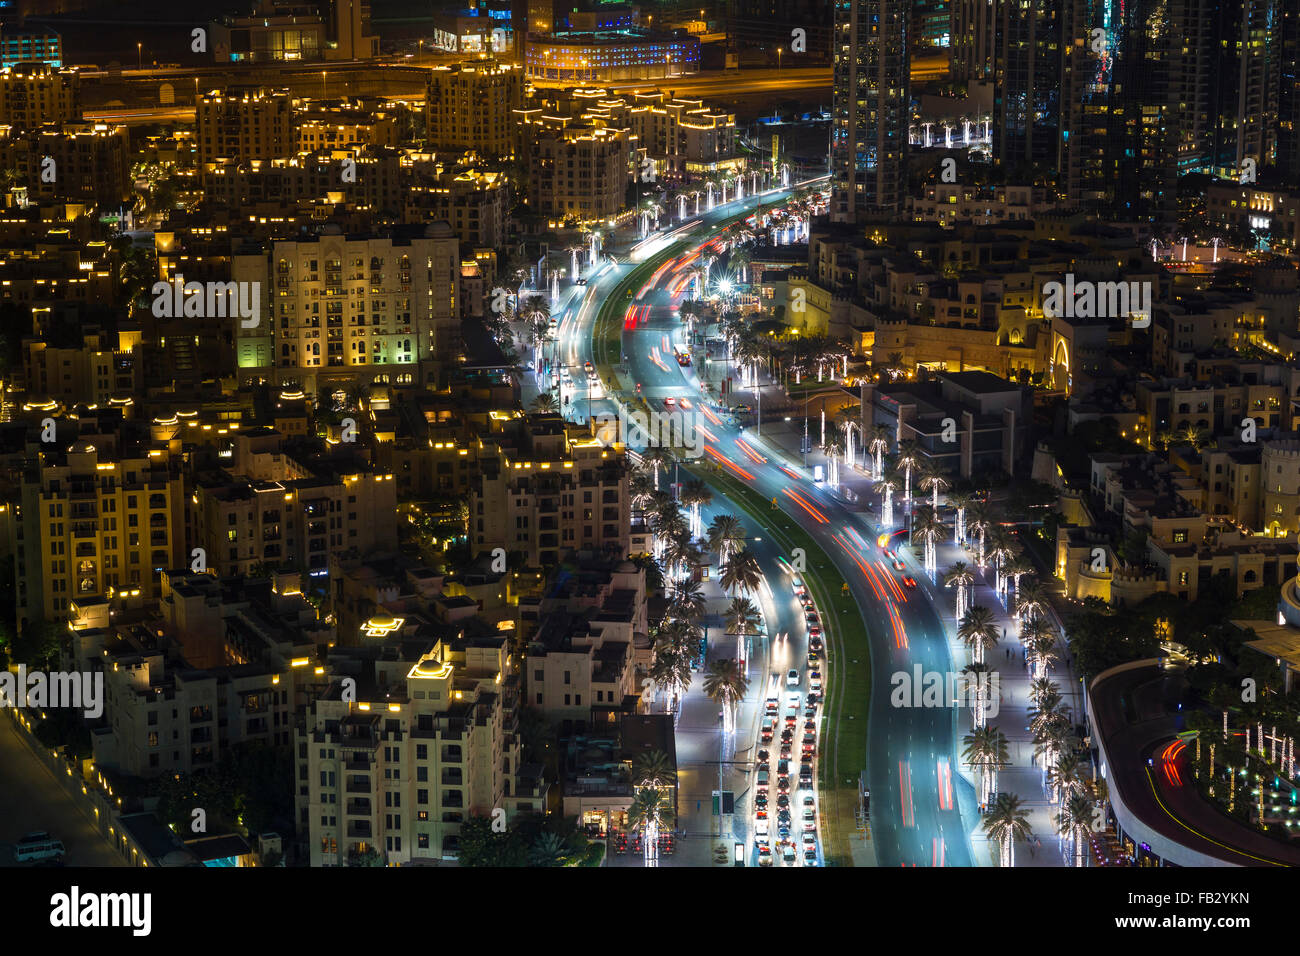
35, 847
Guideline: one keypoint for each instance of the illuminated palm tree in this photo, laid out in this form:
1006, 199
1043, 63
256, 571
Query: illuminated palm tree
833, 449
979, 522
649, 811
544, 403
927, 526
1031, 601
1007, 824
742, 619
959, 576
653, 769
849, 426
740, 573
656, 457
695, 494
978, 632
726, 684
1074, 823
885, 486
960, 501
726, 536
688, 600
907, 461
979, 678
934, 481
878, 441
986, 753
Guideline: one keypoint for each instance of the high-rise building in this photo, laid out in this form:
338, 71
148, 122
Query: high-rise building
1027, 84
338, 308
94, 522
470, 106
1288, 126
973, 28
872, 108
349, 31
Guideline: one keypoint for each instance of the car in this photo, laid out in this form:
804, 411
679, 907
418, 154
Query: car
783, 831
787, 735
810, 711
809, 836
765, 854
762, 778
811, 617
810, 739
763, 766
791, 719
670, 401
792, 679
787, 853
809, 818
796, 582
762, 755
766, 735
783, 801
909, 582
783, 816
813, 657
810, 856
898, 565
760, 801
815, 642
805, 782
685, 403
588, 366
889, 555
783, 767
773, 704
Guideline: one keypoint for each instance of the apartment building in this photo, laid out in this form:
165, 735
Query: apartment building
92, 520
93, 374
78, 162
686, 139
582, 653
395, 759
353, 307
470, 106
321, 125
544, 492
242, 523
36, 94
1174, 406
578, 172
245, 124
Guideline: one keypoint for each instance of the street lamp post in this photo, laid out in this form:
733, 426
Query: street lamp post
139, 56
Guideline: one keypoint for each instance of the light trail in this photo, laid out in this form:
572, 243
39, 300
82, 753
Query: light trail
717, 456
905, 793
752, 455
789, 472
803, 503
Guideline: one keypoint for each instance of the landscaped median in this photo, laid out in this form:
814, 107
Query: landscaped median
843, 745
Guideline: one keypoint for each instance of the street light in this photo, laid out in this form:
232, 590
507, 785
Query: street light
139, 56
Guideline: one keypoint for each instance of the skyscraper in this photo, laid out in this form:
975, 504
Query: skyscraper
973, 27
1027, 84
872, 108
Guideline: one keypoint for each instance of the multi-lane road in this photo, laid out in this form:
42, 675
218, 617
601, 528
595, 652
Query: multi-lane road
911, 757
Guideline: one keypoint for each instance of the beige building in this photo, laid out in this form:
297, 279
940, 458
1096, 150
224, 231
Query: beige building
544, 493
397, 761
299, 522
470, 106
93, 522
93, 374
377, 309
245, 125
35, 94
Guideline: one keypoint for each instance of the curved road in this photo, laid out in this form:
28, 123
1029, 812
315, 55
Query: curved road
912, 754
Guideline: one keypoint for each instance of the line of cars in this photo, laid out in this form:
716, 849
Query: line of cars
786, 825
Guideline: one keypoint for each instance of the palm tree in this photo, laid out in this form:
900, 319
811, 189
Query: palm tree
1031, 600
1041, 686
886, 485
1016, 569
849, 425
742, 619
978, 632
986, 753
725, 684
671, 670
639, 488
653, 769
1008, 824
544, 403
833, 449
980, 678
960, 501
741, 572
1040, 642
549, 850
726, 536
1074, 822
878, 440
960, 577
688, 600
1001, 549
1065, 777
907, 462
695, 494
654, 458
934, 481
980, 522
649, 811
927, 526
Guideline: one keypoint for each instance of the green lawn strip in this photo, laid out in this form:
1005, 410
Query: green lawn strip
847, 684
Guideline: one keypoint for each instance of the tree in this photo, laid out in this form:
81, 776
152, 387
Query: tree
695, 495
907, 461
649, 811
1007, 824
741, 572
878, 440
985, 753
927, 526
1074, 822
726, 536
934, 481
544, 404
959, 576
725, 684
653, 769
978, 631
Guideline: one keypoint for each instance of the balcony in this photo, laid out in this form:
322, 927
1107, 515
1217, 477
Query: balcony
359, 762
357, 808
359, 785
359, 829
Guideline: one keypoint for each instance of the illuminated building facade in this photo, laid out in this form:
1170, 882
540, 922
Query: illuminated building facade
609, 57
470, 106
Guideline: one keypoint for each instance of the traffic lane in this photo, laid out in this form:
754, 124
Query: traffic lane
32, 798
